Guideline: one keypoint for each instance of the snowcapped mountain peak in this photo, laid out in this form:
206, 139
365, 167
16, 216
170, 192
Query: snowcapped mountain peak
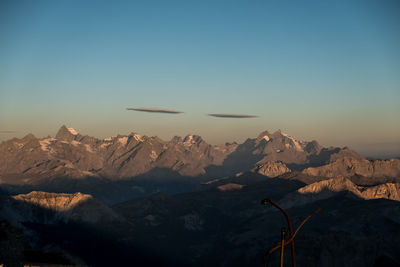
67, 133
45, 143
264, 136
291, 142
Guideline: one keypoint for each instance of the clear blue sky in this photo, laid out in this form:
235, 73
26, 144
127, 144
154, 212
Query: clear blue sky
324, 70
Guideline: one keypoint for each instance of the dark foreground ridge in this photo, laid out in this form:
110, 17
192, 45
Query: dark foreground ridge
219, 225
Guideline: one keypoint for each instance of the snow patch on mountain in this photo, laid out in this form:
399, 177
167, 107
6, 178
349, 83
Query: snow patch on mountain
72, 131
123, 140
45, 143
75, 143
294, 142
88, 148
138, 137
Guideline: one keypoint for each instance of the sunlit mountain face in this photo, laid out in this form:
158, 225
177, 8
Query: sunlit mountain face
133, 165
132, 199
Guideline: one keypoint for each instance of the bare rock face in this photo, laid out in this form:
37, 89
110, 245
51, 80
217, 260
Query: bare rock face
67, 134
272, 169
349, 166
46, 207
387, 190
59, 202
332, 185
328, 188
230, 187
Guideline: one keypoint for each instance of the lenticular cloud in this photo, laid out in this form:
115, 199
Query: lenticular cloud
156, 110
234, 116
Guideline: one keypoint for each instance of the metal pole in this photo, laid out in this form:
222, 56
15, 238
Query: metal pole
290, 238
266, 201
283, 233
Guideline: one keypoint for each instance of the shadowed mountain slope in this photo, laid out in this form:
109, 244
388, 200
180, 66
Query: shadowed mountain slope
224, 224
70, 154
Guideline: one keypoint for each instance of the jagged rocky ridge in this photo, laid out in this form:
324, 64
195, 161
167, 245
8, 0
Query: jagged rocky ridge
335, 186
70, 154
119, 168
348, 166
222, 223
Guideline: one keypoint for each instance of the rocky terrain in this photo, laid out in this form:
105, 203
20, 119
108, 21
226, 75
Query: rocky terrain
335, 186
225, 224
56, 207
122, 167
272, 169
137, 200
349, 166
70, 154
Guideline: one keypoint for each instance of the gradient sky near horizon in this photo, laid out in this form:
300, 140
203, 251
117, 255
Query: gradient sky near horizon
324, 70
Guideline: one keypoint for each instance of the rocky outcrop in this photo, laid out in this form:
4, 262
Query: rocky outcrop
272, 169
329, 188
350, 166
59, 202
230, 187
46, 207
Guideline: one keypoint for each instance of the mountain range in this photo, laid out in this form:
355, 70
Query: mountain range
70, 154
133, 165
137, 200
73, 155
